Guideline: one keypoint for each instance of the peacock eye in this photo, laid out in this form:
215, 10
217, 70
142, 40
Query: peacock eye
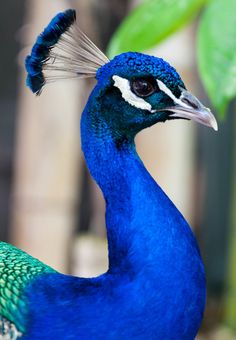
143, 87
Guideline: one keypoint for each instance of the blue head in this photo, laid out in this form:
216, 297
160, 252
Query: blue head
136, 90
130, 94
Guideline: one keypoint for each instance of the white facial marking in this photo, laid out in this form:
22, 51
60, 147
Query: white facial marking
168, 92
123, 85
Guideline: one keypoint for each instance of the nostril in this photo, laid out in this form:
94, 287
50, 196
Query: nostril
190, 103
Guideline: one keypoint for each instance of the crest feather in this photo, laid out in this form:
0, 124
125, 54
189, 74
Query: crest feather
62, 51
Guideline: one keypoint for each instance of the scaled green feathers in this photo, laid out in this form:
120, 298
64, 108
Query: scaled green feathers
17, 270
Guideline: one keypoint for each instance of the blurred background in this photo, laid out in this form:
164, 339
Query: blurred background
50, 206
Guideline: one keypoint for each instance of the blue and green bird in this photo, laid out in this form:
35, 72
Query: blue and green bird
155, 285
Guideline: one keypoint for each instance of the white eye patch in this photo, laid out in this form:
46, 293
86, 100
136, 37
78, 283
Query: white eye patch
124, 86
170, 94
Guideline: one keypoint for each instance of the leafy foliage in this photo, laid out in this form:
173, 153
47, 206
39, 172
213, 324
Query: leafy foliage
151, 22
217, 52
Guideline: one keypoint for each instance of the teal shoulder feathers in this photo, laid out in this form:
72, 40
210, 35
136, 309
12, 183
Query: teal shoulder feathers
17, 270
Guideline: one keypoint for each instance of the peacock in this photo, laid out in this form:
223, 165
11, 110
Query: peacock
155, 286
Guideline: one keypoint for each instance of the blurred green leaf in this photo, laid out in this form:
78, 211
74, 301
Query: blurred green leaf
151, 22
217, 52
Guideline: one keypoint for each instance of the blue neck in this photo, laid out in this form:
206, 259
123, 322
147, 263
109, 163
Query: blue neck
140, 218
155, 271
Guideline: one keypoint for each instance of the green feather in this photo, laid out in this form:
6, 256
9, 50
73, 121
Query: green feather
17, 270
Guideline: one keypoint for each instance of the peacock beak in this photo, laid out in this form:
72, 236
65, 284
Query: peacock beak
189, 107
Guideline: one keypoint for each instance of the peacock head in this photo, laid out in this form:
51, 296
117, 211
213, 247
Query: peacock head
133, 90
139, 90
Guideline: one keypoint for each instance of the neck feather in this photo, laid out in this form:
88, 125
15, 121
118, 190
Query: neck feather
139, 216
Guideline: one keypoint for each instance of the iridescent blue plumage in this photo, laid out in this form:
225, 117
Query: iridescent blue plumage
155, 284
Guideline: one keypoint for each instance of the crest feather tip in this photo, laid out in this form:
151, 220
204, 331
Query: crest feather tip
62, 51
